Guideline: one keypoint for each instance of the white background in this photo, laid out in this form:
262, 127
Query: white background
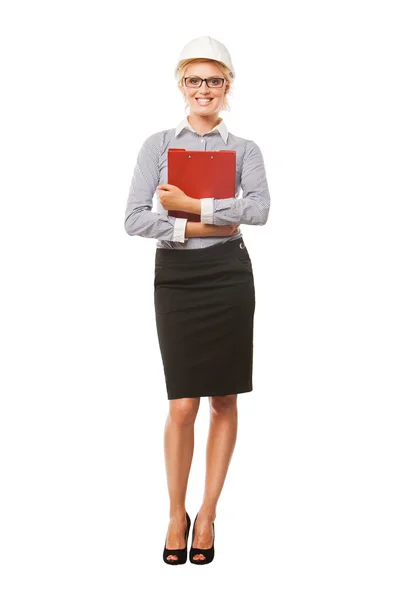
310, 504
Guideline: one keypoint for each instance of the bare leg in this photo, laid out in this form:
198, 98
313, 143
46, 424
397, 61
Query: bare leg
220, 445
178, 449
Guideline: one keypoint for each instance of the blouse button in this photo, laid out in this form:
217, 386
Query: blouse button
241, 245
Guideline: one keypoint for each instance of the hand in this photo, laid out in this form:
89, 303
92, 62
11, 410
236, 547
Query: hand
171, 197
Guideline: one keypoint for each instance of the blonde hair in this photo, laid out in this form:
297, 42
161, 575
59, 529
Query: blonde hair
180, 71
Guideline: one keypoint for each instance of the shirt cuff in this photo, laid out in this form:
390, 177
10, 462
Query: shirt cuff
207, 210
179, 230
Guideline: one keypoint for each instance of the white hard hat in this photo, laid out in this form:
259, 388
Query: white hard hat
208, 48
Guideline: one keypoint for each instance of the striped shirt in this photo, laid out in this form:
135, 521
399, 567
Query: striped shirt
151, 170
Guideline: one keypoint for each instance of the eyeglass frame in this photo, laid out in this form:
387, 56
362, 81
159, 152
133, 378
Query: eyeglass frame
206, 80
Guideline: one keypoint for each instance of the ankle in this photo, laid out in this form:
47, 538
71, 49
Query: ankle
177, 514
208, 511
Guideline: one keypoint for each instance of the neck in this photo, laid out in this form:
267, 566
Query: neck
203, 124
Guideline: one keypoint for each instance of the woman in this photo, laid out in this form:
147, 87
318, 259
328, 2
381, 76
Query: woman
203, 288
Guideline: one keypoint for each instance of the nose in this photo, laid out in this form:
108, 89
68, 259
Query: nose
205, 86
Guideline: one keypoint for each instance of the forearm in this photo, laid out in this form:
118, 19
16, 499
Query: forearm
228, 211
194, 229
146, 223
192, 205
252, 210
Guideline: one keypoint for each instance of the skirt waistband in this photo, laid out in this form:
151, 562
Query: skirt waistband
219, 250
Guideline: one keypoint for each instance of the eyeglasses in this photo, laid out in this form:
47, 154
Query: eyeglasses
196, 82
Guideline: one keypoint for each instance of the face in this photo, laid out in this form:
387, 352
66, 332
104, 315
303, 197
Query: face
203, 70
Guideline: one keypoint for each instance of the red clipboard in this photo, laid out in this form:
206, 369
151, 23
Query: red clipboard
202, 174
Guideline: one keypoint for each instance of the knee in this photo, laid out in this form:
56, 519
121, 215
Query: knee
223, 404
183, 411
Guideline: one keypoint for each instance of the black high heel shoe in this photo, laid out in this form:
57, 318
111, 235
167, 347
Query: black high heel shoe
208, 553
180, 553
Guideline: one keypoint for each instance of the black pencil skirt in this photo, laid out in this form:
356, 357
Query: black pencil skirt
204, 303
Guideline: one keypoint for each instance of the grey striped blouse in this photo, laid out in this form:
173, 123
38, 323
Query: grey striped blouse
151, 170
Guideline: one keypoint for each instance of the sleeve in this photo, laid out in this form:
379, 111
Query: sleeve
139, 218
253, 208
